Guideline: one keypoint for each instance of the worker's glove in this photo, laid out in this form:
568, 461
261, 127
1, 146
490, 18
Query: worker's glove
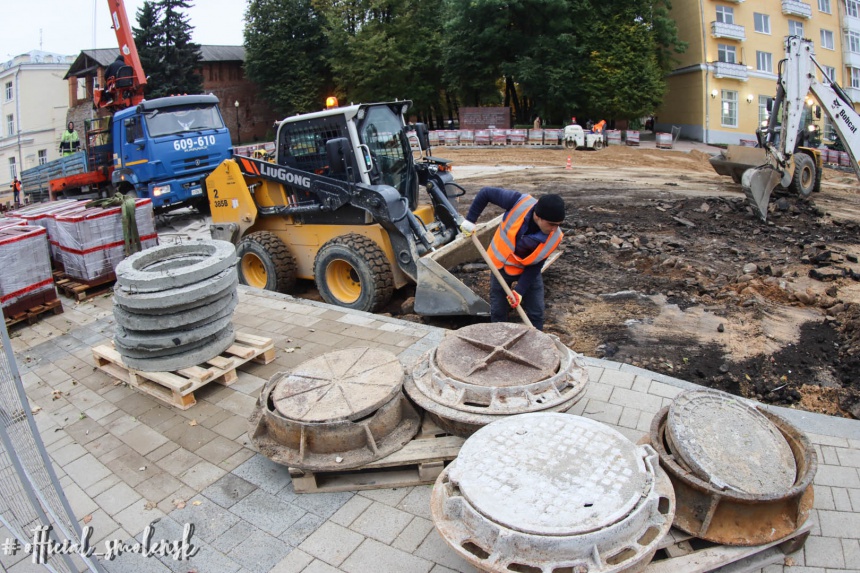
467, 228
515, 299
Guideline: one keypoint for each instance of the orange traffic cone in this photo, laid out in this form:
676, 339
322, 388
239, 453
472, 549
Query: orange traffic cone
568, 166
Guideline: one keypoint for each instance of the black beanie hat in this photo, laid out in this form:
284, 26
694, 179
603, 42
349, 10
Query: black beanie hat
550, 208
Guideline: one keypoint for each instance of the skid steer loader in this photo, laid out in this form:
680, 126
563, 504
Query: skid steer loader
353, 200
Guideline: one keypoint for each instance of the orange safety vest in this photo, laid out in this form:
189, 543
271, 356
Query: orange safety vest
502, 248
17, 186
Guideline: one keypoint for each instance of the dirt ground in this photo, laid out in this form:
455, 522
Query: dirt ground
666, 267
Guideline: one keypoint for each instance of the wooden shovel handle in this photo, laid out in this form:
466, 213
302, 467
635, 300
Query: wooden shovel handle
499, 278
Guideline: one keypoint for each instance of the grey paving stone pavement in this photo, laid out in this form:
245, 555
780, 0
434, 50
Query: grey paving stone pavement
128, 460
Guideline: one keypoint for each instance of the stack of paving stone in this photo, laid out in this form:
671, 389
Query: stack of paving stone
174, 304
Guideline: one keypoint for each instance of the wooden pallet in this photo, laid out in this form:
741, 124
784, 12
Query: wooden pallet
419, 462
32, 314
682, 553
82, 290
177, 388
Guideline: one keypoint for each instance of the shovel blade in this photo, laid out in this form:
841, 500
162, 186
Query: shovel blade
758, 184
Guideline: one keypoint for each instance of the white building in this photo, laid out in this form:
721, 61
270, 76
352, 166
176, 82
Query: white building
34, 100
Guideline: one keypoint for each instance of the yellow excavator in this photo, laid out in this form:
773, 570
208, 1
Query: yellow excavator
354, 200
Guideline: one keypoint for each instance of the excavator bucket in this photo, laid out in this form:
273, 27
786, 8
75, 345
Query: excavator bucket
440, 293
758, 184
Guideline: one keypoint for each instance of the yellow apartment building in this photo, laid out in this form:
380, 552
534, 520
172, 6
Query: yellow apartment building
718, 91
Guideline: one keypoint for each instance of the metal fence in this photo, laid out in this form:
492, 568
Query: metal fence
31, 499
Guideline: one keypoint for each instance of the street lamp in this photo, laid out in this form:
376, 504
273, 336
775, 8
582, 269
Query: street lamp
238, 126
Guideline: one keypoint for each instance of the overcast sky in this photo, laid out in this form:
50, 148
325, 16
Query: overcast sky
67, 26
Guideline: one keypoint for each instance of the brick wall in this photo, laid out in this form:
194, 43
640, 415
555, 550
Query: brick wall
255, 119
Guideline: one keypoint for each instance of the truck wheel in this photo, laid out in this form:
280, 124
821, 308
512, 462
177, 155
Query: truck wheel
598, 145
265, 262
352, 271
804, 175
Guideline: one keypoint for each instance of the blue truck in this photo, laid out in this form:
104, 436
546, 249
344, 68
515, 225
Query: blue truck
161, 149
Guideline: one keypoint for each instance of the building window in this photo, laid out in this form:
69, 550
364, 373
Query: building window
10, 125
8, 91
824, 6
725, 15
827, 39
855, 77
13, 168
81, 93
854, 42
764, 61
763, 114
795, 28
43, 156
727, 54
830, 73
852, 8
762, 23
729, 109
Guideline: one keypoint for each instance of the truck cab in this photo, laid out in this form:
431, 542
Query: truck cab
164, 148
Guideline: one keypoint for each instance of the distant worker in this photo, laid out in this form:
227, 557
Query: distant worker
537, 122
114, 68
16, 191
69, 142
529, 233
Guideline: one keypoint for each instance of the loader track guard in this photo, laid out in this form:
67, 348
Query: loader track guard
354, 168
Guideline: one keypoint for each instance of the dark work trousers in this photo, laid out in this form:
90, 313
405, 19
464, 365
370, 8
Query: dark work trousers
532, 301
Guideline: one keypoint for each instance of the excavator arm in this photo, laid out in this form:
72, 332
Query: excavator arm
797, 78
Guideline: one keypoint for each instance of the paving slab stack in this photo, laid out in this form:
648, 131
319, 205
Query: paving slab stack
174, 305
91, 241
26, 280
47, 217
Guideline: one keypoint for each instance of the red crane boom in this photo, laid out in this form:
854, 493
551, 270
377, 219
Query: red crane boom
126, 88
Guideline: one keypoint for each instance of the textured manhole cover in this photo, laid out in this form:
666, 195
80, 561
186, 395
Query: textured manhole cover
498, 354
345, 384
730, 444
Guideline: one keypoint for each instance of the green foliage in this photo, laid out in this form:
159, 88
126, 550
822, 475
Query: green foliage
168, 56
285, 52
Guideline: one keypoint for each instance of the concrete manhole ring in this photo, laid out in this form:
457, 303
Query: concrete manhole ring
337, 411
170, 266
220, 307
179, 298
186, 358
486, 371
549, 492
730, 444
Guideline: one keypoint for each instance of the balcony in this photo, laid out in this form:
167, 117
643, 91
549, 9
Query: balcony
730, 71
853, 93
730, 31
850, 24
851, 59
795, 8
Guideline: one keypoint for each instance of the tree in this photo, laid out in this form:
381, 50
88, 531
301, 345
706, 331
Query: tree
169, 57
285, 54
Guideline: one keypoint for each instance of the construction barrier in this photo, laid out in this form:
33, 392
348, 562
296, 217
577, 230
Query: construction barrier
551, 136
664, 141
535, 137
632, 137
500, 137
482, 137
467, 137
517, 136
613, 137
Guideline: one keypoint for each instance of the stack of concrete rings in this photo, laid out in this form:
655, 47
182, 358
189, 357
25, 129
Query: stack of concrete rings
174, 305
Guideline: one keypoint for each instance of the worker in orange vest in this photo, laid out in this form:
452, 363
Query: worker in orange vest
16, 191
529, 233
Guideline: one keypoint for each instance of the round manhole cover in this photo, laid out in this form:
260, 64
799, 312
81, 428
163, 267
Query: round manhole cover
341, 385
498, 354
730, 444
550, 474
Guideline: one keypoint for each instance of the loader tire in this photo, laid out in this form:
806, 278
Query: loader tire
265, 262
353, 272
803, 182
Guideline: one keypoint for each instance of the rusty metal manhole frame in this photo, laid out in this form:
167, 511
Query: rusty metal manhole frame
730, 517
333, 445
436, 393
625, 546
